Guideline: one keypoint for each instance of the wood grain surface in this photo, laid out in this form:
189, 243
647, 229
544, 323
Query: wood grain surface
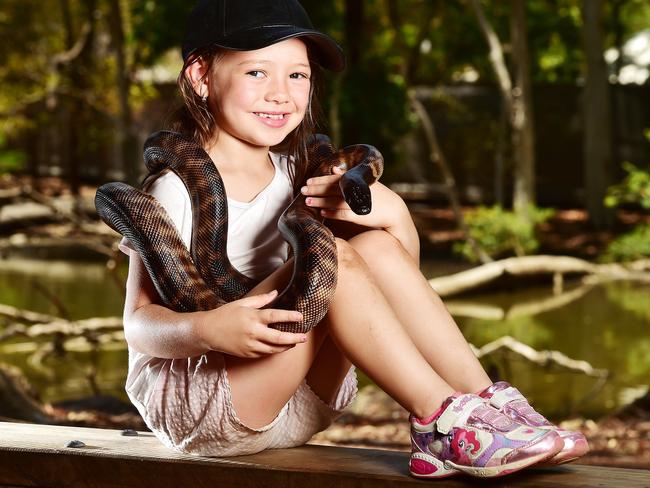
36, 456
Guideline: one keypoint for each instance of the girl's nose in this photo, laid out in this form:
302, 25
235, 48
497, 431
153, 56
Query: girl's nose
277, 92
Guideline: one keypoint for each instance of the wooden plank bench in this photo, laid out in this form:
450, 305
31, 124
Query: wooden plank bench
36, 456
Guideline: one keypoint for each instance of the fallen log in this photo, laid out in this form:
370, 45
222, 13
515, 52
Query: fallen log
25, 315
17, 400
20, 241
72, 328
557, 266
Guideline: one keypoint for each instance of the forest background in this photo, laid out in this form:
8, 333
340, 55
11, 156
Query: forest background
511, 127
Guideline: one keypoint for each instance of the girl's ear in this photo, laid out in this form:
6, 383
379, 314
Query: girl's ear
196, 74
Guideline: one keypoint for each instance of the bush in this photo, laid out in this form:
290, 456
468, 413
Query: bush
635, 188
630, 246
10, 160
500, 232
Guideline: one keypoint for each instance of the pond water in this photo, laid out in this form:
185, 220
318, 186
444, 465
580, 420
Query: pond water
607, 325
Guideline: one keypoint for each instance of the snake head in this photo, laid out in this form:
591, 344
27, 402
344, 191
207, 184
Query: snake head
356, 191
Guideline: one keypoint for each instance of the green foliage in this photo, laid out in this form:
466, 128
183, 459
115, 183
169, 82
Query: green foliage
500, 232
630, 246
10, 159
419, 42
156, 27
635, 188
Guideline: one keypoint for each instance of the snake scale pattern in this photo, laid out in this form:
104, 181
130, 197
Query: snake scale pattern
203, 277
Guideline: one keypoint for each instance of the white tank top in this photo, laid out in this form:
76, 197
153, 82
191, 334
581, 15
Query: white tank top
255, 246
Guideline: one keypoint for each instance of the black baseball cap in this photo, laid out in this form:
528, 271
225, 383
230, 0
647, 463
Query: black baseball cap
246, 25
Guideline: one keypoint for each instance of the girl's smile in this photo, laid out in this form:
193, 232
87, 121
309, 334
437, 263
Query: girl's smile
273, 119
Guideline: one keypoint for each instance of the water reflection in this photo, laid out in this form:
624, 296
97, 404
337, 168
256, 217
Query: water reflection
607, 325
77, 290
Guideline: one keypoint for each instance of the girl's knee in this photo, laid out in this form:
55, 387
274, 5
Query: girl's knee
347, 255
378, 245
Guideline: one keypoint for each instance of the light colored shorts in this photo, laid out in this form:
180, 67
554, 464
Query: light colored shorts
187, 404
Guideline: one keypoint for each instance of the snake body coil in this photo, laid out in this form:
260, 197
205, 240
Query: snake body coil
203, 277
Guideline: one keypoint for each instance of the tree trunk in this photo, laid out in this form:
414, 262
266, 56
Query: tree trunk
354, 15
76, 70
523, 138
354, 20
618, 101
516, 99
125, 137
69, 151
496, 55
597, 142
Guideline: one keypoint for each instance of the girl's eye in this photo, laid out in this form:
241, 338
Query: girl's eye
296, 76
256, 73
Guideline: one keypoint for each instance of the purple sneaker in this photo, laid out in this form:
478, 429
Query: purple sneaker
512, 403
469, 435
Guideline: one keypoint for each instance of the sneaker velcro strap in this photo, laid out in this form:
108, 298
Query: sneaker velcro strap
505, 396
457, 412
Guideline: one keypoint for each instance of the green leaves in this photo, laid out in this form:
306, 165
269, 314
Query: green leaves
10, 160
635, 188
629, 247
501, 232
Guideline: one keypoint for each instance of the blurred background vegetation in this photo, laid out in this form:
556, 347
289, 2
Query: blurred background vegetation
532, 103
510, 127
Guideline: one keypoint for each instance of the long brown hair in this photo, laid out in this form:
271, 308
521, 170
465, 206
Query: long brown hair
194, 120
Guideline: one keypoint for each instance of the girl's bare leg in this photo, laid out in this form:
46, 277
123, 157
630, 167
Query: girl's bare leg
364, 327
329, 369
420, 310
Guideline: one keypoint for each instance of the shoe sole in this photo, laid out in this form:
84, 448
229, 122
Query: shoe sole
504, 469
562, 458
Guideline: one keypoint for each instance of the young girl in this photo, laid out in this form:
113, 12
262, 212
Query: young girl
222, 382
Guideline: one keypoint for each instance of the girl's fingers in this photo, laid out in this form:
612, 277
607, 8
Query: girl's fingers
273, 315
278, 338
338, 214
317, 189
327, 202
323, 180
258, 301
265, 349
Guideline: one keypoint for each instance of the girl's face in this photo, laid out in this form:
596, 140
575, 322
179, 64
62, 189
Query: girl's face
261, 96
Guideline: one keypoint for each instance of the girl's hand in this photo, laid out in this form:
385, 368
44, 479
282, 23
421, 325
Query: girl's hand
240, 328
323, 192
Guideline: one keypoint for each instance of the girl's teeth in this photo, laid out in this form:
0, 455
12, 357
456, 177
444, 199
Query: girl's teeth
270, 116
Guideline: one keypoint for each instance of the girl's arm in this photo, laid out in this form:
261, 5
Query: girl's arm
389, 212
153, 329
238, 328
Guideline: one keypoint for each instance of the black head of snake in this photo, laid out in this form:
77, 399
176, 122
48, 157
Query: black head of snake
203, 277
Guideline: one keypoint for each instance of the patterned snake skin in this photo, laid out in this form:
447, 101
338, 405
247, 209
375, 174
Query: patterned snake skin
204, 278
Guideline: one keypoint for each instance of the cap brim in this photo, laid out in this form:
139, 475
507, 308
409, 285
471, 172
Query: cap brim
327, 52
